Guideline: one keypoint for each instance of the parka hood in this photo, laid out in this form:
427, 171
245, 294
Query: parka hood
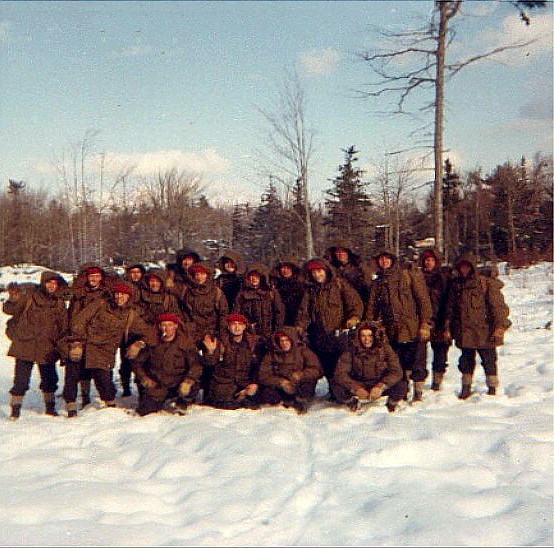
330, 270
377, 330
184, 252
234, 256
262, 269
467, 258
388, 253
159, 273
430, 251
329, 254
140, 266
289, 331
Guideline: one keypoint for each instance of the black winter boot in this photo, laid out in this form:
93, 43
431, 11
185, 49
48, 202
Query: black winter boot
418, 390
50, 403
492, 383
126, 390
15, 403
85, 393
437, 381
71, 410
466, 386
301, 405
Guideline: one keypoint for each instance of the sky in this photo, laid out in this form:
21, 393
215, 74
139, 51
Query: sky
180, 84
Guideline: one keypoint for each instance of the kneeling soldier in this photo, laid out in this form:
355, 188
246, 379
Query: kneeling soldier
289, 372
369, 370
169, 372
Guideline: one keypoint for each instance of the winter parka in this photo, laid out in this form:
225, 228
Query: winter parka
438, 286
168, 364
230, 282
368, 366
83, 294
476, 307
137, 286
151, 304
104, 326
399, 299
235, 366
326, 307
206, 306
38, 322
357, 272
262, 305
291, 290
278, 365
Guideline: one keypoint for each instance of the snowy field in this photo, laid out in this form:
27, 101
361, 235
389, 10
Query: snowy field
440, 472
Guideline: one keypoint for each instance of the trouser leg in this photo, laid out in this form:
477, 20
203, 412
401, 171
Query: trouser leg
48, 377
104, 384
21, 377
71, 381
440, 356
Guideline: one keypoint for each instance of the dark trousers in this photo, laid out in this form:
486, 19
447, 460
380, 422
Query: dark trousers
305, 390
466, 363
152, 402
102, 379
440, 356
396, 392
22, 377
125, 370
413, 358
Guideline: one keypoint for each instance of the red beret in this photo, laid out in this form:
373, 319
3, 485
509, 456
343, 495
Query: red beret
314, 265
94, 270
169, 317
198, 267
237, 318
122, 287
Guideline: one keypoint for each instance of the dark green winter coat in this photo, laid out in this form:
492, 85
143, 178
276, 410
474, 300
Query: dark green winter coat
291, 290
151, 304
476, 307
399, 299
230, 282
82, 295
38, 322
168, 364
278, 365
262, 305
368, 366
103, 327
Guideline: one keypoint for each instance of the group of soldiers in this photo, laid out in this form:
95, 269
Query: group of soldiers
247, 337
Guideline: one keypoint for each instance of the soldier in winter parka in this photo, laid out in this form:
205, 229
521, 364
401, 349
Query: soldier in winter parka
478, 319
399, 299
350, 266
437, 280
230, 275
101, 327
289, 371
369, 369
39, 320
135, 274
179, 279
235, 360
329, 306
288, 279
169, 371
261, 304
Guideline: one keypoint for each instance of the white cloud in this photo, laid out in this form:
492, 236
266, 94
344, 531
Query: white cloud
318, 62
4, 31
146, 163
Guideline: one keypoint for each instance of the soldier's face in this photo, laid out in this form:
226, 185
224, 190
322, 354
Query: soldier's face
135, 274
236, 328
429, 262
284, 342
319, 275
286, 271
341, 255
187, 262
465, 269
229, 266
254, 279
384, 262
168, 330
200, 277
366, 338
154, 283
94, 279
121, 299
51, 285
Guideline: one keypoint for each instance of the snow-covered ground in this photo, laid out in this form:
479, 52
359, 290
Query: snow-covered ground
441, 472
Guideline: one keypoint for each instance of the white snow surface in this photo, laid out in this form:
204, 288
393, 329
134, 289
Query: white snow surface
440, 472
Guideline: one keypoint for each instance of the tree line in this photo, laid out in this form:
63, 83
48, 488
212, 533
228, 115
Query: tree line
505, 214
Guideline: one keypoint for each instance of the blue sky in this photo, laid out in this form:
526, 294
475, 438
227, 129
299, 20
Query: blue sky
177, 84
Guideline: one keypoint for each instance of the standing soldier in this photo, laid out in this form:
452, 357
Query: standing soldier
289, 371
134, 274
329, 306
168, 371
350, 266
398, 298
235, 361
179, 280
260, 303
368, 370
286, 277
437, 280
39, 320
230, 278
478, 319
97, 332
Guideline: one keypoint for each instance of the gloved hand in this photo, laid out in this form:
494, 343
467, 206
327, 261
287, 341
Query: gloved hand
498, 336
185, 388
297, 376
134, 349
249, 391
287, 386
361, 393
210, 343
424, 333
148, 383
377, 391
75, 351
352, 322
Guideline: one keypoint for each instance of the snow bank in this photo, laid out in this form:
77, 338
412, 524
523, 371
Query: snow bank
441, 472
